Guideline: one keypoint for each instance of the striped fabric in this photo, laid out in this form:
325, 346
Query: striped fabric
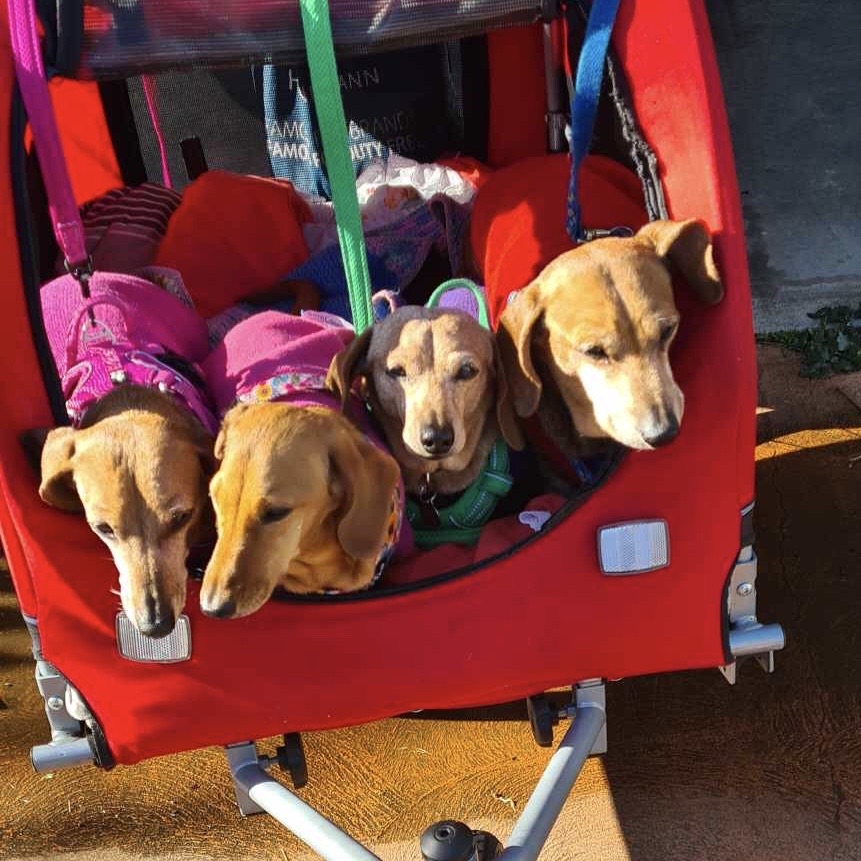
125, 226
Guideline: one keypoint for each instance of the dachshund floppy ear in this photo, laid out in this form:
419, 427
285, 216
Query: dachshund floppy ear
506, 417
57, 487
221, 439
687, 247
349, 364
514, 339
366, 479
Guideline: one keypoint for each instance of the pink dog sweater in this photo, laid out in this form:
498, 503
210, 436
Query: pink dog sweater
274, 356
129, 331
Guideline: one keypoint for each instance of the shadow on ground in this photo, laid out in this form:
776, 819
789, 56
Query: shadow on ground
697, 770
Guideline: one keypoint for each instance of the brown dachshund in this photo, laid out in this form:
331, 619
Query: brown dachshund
585, 345
435, 383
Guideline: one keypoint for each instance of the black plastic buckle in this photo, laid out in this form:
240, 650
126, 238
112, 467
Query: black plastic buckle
603, 233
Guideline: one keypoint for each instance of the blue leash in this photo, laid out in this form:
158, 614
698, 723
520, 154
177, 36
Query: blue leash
584, 106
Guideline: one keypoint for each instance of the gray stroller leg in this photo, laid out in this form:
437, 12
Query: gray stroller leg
544, 805
254, 785
256, 792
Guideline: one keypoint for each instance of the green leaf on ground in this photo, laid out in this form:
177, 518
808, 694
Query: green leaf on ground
832, 345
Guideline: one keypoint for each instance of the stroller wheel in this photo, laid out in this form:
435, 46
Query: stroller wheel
542, 718
450, 840
291, 758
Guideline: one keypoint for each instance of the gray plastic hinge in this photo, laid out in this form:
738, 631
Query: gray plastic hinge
748, 637
239, 755
52, 686
594, 692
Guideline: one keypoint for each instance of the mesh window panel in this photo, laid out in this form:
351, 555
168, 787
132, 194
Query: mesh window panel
222, 110
119, 38
229, 120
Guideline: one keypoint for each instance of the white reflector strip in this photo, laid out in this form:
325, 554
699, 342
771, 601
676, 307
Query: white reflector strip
634, 547
134, 646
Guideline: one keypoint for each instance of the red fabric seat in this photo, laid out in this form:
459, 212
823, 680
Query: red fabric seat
518, 220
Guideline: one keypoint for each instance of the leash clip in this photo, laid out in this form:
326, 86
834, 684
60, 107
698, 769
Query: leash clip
427, 496
81, 272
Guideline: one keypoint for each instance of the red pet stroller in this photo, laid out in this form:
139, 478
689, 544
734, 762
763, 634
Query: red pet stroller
651, 570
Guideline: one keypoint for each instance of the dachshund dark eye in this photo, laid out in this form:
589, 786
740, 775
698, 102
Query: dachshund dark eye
599, 354
104, 530
466, 372
179, 518
273, 515
667, 331
396, 371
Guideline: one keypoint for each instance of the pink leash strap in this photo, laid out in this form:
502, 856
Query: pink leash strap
30, 71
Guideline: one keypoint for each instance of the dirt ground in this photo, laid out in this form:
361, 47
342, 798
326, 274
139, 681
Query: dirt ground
697, 770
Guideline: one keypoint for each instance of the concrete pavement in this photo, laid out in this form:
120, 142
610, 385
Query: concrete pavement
790, 72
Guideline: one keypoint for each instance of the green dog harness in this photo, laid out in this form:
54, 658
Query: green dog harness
461, 522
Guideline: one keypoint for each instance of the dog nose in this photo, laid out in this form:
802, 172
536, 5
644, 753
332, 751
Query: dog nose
668, 434
437, 439
157, 626
222, 611
157, 619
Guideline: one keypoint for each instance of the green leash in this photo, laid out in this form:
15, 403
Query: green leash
462, 521
320, 49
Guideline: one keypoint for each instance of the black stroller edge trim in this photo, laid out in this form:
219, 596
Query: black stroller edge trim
724, 615
102, 756
748, 532
613, 461
29, 256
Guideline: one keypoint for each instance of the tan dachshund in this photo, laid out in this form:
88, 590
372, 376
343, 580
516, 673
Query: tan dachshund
138, 467
302, 501
138, 458
585, 345
435, 383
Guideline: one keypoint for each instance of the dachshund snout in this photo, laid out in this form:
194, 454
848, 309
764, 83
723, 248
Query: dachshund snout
437, 440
